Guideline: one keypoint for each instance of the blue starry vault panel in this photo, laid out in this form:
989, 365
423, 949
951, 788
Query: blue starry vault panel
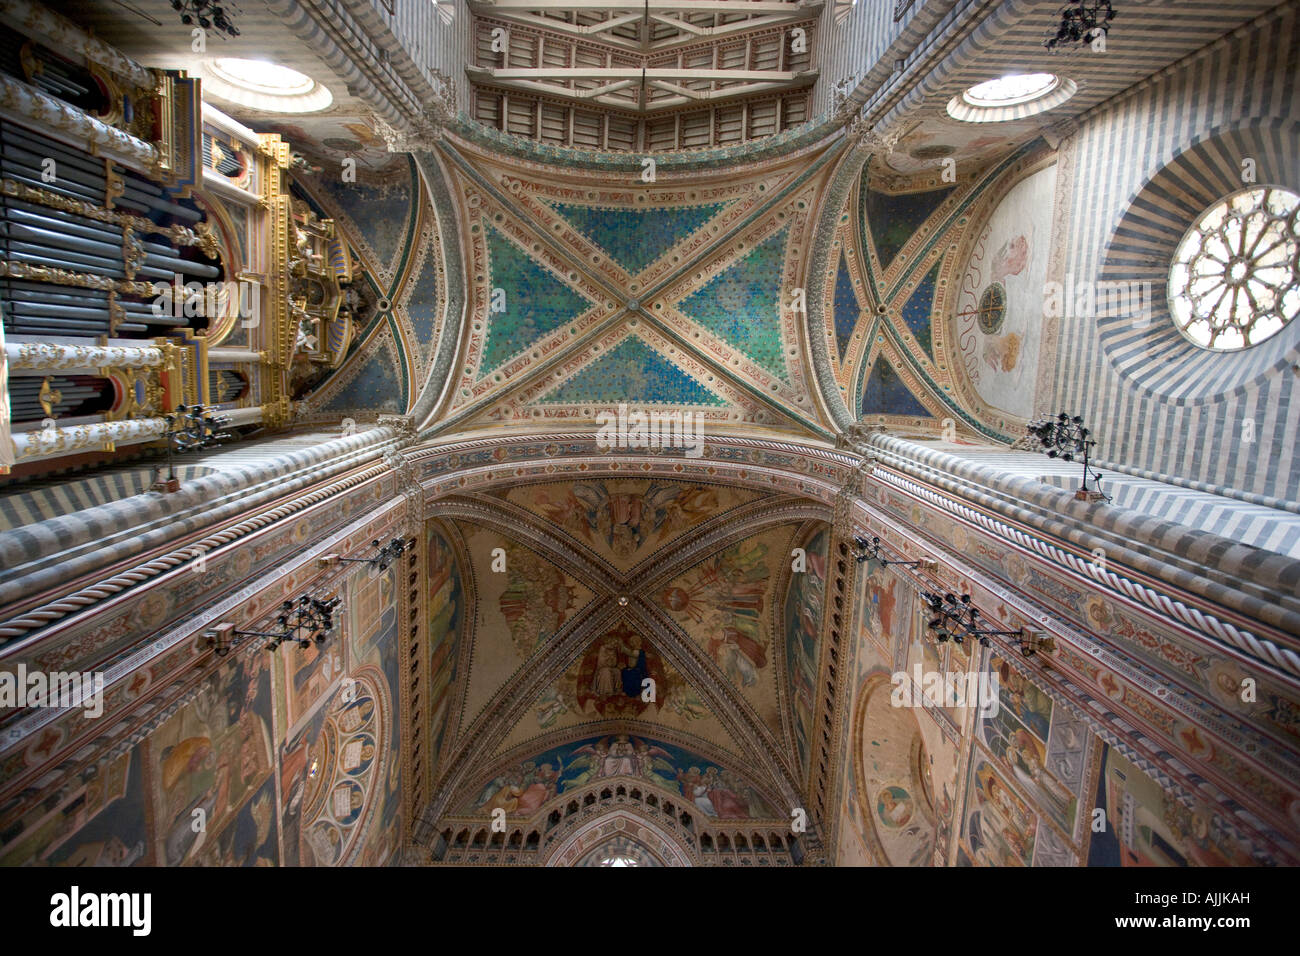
739, 305
537, 303
635, 238
634, 373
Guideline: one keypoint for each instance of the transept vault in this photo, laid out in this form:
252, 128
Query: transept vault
495, 434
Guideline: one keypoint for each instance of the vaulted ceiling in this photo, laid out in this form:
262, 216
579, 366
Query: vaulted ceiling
641, 286
527, 283
677, 613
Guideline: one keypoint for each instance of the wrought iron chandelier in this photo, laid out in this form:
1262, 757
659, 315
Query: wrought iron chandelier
1065, 437
206, 14
1082, 21
956, 619
190, 429
305, 622
387, 554
871, 551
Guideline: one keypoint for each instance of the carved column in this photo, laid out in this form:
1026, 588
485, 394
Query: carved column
53, 442
64, 122
242, 416
235, 355
64, 36
44, 356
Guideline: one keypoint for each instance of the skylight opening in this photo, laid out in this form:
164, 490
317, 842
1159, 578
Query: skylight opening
262, 76
264, 85
1011, 97
1012, 89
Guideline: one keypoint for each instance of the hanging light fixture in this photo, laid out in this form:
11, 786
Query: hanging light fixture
1082, 21
191, 428
956, 619
380, 561
1064, 437
305, 622
871, 551
206, 14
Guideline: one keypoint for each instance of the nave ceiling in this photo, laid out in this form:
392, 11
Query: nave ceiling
572, 595
679, 294
781, 293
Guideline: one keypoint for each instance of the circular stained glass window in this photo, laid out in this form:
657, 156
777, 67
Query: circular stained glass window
1235, 277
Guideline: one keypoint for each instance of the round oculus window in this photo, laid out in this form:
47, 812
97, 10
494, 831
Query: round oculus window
1235, 277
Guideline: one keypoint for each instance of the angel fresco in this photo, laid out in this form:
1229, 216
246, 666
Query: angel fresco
620, 755
536, 601
716, 792
725, 596
520, 792
626, 519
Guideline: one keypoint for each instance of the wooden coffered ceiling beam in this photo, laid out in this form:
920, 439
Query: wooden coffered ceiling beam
685, 96
497, 74
757, 16
549, 83
697, 33
596, 94
588, 31
652, 6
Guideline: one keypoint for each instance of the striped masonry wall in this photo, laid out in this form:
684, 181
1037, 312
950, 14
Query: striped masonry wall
849, 50
1244, 522
1183, 414
61, 548
437, 36
1259, 583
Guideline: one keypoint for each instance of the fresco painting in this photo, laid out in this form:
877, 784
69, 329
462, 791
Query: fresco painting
517, 609
932, 657
803, 621
375, 212
999, 308
729, 604
723, 599
896, 811
715, 792
378, 776
210, 756
609, 681
1023, 757
201, 789
1025, 701
537, 600
95, 822
879, 602
446, 610
308, 674
999, 828
1039, 754
892, 218
250, 838
626, 520
1145, 826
